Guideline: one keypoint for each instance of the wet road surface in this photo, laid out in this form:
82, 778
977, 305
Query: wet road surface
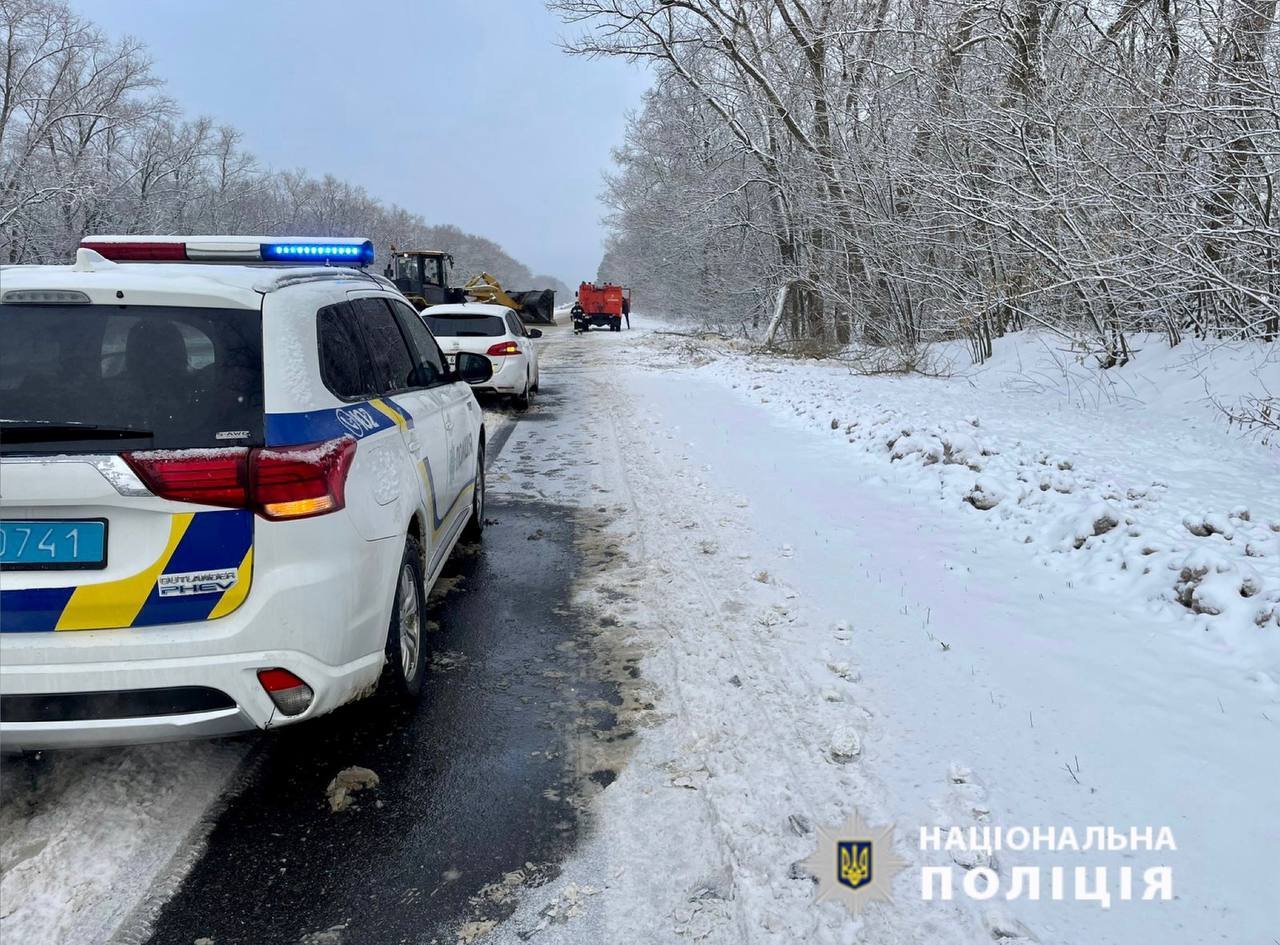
479, 783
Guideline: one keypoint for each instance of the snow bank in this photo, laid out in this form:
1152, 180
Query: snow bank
1127, 480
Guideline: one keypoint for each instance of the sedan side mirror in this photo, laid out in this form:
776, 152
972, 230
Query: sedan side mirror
535, 332
474, 368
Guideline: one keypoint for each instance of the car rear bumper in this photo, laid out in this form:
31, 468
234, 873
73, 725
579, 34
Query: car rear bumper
508, 375
321, 616
97, 733
235, 675
598, 319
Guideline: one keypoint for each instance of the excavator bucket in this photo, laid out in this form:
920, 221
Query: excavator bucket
536, 306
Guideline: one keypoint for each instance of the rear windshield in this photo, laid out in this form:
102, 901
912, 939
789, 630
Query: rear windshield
465, 326
100, 379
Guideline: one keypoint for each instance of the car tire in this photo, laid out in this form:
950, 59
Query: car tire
475, 527
522, 400
406, 666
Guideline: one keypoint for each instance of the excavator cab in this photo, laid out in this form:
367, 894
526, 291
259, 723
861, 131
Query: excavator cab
423, 276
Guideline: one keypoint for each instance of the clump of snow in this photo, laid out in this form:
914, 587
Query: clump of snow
346, 784
569, 904
845, 745
985, 495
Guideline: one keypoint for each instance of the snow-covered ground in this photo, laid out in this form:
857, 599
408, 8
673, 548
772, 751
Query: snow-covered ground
1028, 594
88, 837
1031, 594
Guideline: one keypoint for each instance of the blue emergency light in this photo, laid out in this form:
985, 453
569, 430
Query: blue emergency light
358, 254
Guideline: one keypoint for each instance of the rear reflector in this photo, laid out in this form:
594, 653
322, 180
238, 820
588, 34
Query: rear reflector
289, 693
503, 348
277, 483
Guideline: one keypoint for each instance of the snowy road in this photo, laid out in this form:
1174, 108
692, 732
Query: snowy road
730, 600
827, 625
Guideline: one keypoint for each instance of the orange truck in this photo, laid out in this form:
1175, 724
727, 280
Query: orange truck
598, 304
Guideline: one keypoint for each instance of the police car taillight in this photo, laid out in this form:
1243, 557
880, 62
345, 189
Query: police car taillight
301, 481
278, 483
289, 693
208, 477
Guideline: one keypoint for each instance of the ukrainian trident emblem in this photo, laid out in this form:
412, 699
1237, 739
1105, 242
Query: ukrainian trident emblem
855, 863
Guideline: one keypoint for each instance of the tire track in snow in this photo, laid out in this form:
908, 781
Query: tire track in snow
779, 726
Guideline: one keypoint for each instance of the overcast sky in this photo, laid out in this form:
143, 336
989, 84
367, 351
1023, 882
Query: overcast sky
465, 111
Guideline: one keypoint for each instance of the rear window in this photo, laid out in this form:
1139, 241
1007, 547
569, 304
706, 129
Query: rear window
465, 326
99, 379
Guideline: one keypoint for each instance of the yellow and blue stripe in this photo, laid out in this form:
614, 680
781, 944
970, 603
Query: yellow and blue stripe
197, 541
359, 420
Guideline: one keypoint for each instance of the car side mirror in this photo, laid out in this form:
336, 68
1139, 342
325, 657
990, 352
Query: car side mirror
473, 368
535, 332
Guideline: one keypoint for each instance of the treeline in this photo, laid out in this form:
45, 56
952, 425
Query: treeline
889, 172
90, 144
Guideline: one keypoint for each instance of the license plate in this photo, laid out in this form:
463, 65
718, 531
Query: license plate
44, 544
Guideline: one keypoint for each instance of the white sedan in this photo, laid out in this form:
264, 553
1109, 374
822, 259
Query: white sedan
496, 332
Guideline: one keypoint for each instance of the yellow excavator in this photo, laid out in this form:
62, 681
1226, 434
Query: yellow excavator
423, 275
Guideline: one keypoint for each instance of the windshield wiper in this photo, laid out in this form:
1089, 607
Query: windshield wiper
43, 431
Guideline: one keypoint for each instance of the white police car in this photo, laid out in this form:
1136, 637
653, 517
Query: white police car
232, 467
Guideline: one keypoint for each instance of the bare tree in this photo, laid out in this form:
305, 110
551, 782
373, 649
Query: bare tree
897, 171
88, 143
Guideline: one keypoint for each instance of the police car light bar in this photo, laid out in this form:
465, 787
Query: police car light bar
232, 249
